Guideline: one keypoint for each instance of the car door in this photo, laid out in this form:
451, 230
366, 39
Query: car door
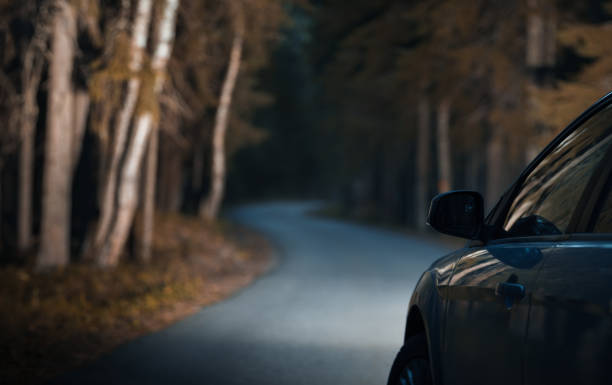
569, 339
488, 299
485, 327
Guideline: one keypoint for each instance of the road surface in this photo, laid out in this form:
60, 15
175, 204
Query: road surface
331, 312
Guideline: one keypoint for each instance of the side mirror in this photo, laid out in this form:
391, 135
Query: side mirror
458, 213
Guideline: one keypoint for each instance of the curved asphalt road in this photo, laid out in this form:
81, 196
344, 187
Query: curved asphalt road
331, 312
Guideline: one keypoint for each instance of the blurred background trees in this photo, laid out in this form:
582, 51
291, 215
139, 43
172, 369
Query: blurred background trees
403, 100
116, 109
108, 106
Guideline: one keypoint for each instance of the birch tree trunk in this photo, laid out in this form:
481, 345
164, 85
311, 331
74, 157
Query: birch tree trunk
34, 59
444, 156
102, 111
210, 207
148, 211
57, 178
423, 164
127, 197
140, 35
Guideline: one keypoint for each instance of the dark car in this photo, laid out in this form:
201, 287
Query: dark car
528, 300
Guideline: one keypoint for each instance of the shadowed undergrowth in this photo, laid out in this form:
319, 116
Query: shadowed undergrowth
56, 321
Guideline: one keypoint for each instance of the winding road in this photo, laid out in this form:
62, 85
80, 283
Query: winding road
331, 312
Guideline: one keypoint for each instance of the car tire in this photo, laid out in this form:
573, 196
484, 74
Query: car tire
411, 365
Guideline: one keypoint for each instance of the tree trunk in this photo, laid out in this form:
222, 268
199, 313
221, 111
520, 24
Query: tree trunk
26, 171
444, 156
495, 168
81, 110
540, 59
127, 197
127, 194
102, 111
33, 61
102, 114
541, 34
210, 208
197, 170
472, 180
57, 179
170, 177
1, 205
423, 163
534, 53
140, 33
148, 213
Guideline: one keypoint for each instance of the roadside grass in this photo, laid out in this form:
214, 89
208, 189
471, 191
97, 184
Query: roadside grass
53, 322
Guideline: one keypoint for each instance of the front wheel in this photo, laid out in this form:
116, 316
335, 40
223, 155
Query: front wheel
411, 365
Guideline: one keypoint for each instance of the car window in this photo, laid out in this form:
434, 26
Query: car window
603, 224
546, 201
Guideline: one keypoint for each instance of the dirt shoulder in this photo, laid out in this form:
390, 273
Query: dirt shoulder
51, 323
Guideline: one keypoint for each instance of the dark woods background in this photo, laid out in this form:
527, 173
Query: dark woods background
382, 104
373, 105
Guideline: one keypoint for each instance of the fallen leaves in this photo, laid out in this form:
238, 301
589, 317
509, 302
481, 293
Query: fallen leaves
53, 322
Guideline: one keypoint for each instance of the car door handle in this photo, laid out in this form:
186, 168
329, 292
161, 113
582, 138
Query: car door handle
507, 289
510, 292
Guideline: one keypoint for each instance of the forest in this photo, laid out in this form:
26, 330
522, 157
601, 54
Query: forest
110, 106
376, 106
121, 116
392, 102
